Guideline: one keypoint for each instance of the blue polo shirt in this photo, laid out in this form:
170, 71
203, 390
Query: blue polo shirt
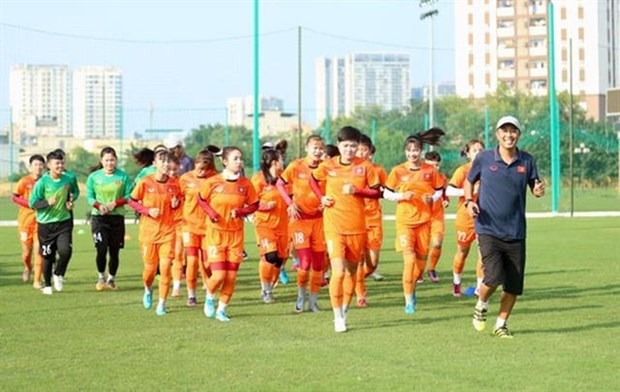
502, 193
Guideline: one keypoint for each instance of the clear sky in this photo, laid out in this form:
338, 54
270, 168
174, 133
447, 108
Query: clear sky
196, 54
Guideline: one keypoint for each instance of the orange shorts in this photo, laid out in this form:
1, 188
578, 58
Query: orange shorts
465, 235
349, 247
272, 241
192, 240
307, 233
438, 228
27, 234
153, 253
414, 239
374, 236
222, 245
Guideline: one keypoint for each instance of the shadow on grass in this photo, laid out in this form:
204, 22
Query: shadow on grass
577, 328
572, 291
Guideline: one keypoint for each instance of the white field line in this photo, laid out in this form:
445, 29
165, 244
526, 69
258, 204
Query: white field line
529, 215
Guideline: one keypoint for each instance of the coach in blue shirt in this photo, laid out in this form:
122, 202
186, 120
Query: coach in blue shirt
504, 174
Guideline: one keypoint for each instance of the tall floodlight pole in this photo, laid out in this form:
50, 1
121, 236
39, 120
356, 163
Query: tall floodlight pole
299, 131
431, 91
553, 116
255, 135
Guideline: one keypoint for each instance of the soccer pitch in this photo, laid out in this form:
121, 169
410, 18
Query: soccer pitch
564, 327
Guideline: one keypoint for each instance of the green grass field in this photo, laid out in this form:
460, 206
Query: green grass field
565, 327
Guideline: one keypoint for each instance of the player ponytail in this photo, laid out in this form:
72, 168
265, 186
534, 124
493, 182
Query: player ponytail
269, 156
432, 137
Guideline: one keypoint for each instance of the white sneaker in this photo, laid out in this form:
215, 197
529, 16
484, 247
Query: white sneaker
58, 282
46, 290
340, 325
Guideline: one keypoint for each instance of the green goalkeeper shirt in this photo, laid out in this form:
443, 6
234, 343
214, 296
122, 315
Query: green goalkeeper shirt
47, 188
105, 188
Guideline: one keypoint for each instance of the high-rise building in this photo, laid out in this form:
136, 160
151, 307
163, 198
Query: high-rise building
240, 108
97, 102
344, 84
40, 99
506, 41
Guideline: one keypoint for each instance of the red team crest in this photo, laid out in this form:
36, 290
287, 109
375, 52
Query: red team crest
521, 169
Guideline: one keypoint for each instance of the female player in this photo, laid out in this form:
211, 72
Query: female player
464, 223
107, 190
156, 197
413, 185
227, 198
271, 221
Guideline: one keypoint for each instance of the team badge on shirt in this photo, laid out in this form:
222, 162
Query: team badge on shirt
427, 176
331, 173
521, 169
301, 176
359, 171
493, 168
241, 189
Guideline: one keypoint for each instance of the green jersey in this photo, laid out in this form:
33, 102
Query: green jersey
60, 189
145, 172
105, 188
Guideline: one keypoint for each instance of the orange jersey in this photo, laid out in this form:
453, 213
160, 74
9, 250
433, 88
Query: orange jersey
275, 219
298, 175
458, 181
224, 196
346, 216
194, 217
372, 207
422, 183
25, 216
155, 194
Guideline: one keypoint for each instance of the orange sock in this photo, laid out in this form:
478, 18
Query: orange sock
302, 277
228, 288
315, 281
459, 263
265, 271
336, 289
148, 273
348, 286
191, 272
165, 277
408, 273
435, 255
360, 286
216, 280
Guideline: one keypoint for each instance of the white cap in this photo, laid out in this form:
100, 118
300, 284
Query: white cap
508, 120
173, 141
267, 145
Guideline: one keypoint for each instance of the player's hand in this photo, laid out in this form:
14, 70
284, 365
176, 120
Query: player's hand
476, 188
111, 206
327, 201
473, 209
103, 209
539, 188
154, 213
427, 199
445, 203
175, 202
293, 211
69, 205
348, 189
234, 213
51, 201
271, 205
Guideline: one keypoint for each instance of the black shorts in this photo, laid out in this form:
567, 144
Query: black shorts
49, 233
503, 263
108, 230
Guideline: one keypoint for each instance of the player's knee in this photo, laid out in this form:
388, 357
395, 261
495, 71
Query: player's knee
272, 258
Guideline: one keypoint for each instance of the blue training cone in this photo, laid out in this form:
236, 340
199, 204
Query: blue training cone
470, 291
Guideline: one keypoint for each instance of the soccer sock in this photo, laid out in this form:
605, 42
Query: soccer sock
315, 281
228, 287
458, 264
147, 290
408, 277
456, 278
360, 287
191, 271
101, 275
209, 295
336, 289
314, 298
408, 298
348, 286
338, 314
265, 271
161, 303
110, 278
482, 305
165, 277
191, 293
302, 277
420, 264
500, 322
435, 255
176, 285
